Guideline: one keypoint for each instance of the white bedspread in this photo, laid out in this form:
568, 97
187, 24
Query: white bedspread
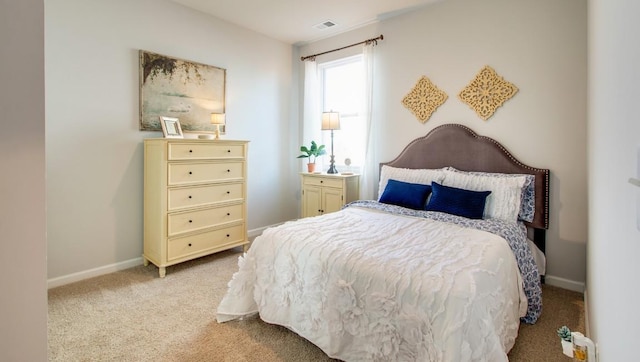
364, 285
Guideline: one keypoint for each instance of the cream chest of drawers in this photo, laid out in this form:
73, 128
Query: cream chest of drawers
324, 193
194, 199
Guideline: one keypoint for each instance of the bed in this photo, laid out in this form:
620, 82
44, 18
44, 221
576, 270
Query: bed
444, 274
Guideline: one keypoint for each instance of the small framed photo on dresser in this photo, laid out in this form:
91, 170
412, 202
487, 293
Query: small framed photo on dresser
171, 127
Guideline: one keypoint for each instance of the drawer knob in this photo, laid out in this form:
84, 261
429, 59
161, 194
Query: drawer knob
190, 221
228, 192
189, 196
190, 151
189, 244
190, 173
321, 181
228, 214
228, 235
228, 151
228, 170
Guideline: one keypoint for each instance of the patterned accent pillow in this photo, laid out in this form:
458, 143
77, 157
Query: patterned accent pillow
506, 192
528, 200
528, 206
416, 176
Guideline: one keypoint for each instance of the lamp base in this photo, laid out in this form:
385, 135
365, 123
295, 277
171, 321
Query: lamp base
332, 168
205, 136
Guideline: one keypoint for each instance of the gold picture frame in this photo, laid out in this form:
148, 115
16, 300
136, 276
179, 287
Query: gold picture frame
171, 127
178, 88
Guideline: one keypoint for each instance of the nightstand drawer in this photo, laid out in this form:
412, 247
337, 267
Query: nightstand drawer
185, 246
323, 181
191, 221
192, 173
185, 197
195, 151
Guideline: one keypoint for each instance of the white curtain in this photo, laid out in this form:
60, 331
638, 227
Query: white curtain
369, 173
311, 127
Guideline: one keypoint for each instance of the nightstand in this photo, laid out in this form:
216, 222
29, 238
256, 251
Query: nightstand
323, 193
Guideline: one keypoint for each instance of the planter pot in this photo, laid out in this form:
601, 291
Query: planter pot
567, 348
311, 167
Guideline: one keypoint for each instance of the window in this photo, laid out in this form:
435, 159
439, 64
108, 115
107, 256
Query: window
343, 85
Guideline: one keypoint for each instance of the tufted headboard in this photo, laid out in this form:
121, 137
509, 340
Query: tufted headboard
458, 146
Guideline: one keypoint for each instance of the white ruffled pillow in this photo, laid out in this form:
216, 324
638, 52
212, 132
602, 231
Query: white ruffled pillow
528, 203
415, 176
506, 192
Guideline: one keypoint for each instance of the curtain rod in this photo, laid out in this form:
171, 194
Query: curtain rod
372, 40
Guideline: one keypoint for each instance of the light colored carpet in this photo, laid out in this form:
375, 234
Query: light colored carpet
133, 315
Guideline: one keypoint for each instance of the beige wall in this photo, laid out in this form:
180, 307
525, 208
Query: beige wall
23, 264
541, 47
94, 147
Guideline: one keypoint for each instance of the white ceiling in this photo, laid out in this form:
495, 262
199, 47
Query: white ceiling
293, 21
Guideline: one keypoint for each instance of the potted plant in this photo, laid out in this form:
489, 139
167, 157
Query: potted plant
312, 153
566, 340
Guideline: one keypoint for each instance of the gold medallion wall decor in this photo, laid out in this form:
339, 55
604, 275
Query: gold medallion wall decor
424, 99
486, 92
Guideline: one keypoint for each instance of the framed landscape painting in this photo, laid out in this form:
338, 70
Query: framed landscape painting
177, 88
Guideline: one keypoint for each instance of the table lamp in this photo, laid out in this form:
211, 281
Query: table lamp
331, 121
218, 119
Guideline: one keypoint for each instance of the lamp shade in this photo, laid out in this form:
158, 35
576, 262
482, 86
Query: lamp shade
217, 118
330, 120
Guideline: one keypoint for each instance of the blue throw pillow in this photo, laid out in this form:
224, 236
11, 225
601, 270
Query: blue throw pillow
455, 201
411, 196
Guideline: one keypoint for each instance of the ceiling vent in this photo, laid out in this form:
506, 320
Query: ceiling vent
324, 25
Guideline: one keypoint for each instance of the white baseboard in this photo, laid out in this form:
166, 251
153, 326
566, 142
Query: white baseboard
76, 277
564, 283
251, 234
112, 268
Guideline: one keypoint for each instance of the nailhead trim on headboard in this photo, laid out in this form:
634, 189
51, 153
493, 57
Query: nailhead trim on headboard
445, 146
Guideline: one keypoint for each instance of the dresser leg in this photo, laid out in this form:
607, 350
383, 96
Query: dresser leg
162, 271
145, 261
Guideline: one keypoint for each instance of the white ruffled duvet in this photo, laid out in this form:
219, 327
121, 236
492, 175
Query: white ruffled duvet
365, 285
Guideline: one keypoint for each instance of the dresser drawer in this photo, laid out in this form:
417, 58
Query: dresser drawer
323, 181
185, 246
196, 151
185, 197
192, 173
195, 220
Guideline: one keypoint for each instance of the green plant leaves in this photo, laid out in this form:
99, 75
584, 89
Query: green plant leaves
313, 151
